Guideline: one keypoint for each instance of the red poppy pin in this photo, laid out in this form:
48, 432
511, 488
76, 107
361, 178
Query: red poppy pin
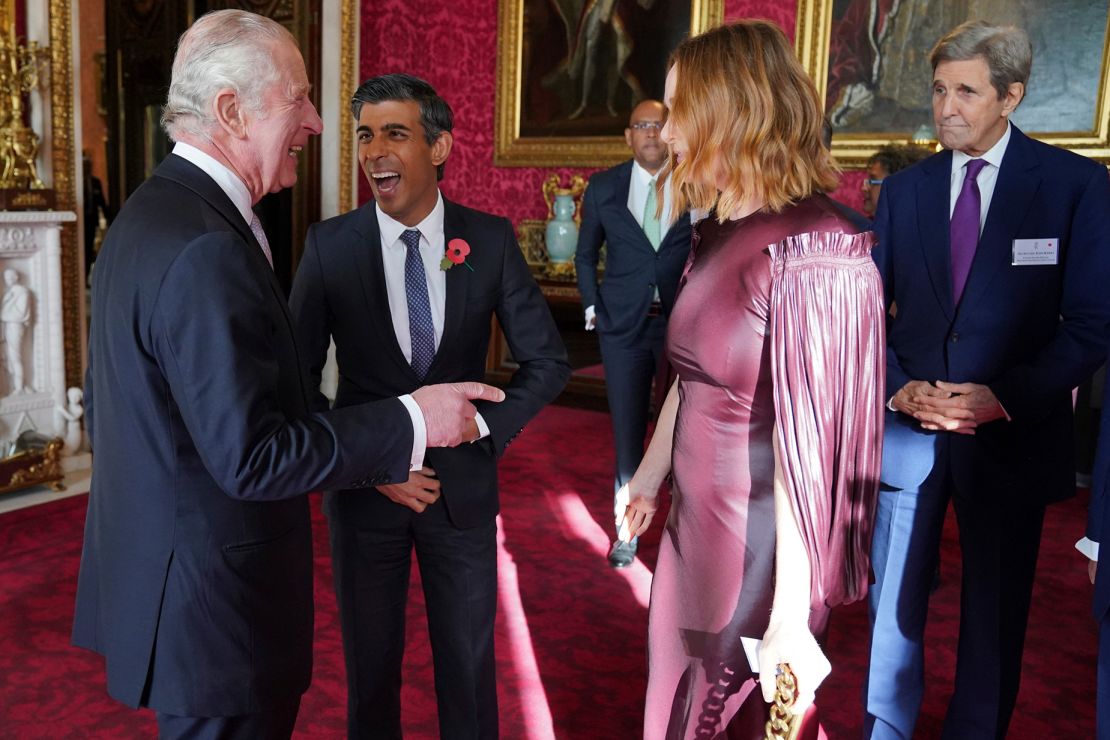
457, 249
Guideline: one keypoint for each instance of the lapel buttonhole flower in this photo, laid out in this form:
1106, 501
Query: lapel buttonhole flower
457, 249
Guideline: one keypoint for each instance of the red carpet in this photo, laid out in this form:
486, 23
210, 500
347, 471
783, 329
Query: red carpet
570, 630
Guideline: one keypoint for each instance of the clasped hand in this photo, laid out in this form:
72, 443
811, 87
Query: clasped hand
419, 492
633, 512
950, 407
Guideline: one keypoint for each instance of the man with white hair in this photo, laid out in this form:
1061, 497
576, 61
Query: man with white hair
196, 572
996, 252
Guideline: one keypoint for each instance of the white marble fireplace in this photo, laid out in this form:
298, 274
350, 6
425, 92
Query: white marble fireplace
32, 355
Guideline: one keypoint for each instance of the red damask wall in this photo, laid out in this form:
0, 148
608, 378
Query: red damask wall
453, 45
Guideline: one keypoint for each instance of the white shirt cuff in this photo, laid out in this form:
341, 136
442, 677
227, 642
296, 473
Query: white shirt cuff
1088, 547
483, 428
591, 318
419, 432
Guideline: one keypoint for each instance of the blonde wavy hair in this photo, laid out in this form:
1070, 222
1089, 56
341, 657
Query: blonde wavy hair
745, 105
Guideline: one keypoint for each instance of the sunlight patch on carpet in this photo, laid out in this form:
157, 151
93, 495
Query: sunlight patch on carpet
576, 518
533, 698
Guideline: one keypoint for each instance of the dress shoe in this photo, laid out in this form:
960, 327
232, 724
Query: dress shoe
622, 554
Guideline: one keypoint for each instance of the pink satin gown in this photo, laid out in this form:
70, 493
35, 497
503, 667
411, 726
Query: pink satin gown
768, 304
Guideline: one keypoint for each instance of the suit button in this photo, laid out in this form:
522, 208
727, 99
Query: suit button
955, 337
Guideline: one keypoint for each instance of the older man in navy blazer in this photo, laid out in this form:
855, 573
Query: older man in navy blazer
644, 255
196, 572
995, 256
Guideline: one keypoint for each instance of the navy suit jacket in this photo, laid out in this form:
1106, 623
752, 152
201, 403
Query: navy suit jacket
633, 269
1030, 333
340, 292
1098, 520
196, 572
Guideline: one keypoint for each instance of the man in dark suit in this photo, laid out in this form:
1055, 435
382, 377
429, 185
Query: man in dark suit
644, 256
999, 315
196, 572
1098, 531
403, 314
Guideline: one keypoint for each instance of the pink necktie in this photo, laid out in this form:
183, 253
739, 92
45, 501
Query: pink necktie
964, 229
260, 235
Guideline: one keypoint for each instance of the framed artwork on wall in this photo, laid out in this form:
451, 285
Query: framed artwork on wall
870, 59
570, 71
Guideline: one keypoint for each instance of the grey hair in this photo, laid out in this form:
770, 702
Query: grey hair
1006, 50
223, 49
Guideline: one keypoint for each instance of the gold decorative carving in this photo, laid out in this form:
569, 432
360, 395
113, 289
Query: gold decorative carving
348, 74
33, 467
510, 149
553, 186
20, 72
63, 157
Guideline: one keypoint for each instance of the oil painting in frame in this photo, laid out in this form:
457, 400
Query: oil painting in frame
869, 59
570, 71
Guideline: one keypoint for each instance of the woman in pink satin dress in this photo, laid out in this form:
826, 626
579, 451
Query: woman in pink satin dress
773, 429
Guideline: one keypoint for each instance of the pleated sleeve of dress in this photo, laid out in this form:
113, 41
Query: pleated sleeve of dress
827, 364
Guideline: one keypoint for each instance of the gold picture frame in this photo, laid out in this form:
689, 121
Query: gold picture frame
515, 145
854, 144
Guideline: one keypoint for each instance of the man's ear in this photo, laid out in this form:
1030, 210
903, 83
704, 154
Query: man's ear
442, 148
229, 113
1014, 94
628, 137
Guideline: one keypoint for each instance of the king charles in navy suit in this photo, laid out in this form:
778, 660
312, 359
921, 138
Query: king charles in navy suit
644, 256
402, 315
196, 571
995, 256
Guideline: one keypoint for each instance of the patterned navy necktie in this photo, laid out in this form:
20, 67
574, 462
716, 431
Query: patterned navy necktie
422, 332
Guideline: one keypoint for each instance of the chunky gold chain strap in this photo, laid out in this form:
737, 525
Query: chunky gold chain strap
783, 725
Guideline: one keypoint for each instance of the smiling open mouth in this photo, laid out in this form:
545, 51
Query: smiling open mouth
385, 182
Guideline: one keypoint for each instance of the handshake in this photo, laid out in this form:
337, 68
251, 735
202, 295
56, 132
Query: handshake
449, 413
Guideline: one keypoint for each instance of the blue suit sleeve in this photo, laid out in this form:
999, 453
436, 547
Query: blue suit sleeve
591, 234
308, 302
536, 346
883, 254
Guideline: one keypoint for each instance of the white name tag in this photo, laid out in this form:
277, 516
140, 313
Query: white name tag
1036, 252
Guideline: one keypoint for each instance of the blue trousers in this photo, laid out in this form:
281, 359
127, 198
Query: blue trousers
999, 541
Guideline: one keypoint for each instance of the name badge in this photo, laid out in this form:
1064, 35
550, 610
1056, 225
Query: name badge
1036, 252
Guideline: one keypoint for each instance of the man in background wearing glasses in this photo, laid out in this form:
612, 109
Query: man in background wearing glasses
644, 255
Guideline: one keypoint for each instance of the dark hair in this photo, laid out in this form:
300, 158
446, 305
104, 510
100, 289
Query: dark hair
894, 157
435, 114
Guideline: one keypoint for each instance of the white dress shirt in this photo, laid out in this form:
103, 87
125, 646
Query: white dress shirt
236, 191
432, 249
988, 176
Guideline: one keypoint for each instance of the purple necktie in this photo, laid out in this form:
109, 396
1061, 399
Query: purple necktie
964, 230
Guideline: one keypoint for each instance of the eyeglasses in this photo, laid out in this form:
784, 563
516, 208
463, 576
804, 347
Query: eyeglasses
873, 181
648, 125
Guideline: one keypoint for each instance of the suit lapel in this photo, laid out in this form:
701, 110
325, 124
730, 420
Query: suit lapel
371, 272
932, 227
184, 172
619, 202
458, 281
1017, 183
